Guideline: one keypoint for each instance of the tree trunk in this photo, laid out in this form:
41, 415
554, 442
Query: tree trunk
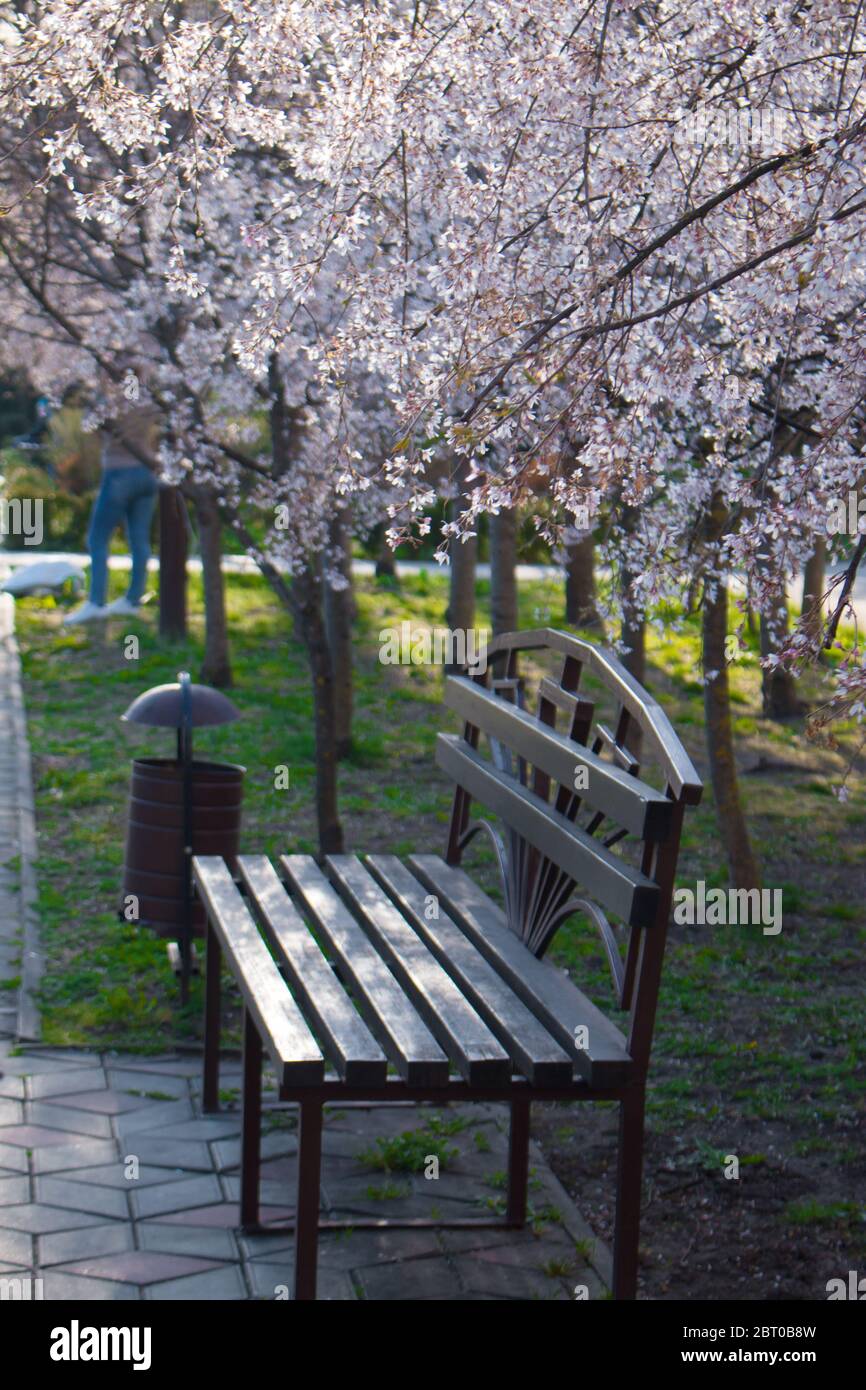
742, 866
173, 544
633, 629
503, 578
778, 686
310, 598
339, 618
386, 563
814, 584
303, 599
634, 637
460, 613
216, 668
581, 598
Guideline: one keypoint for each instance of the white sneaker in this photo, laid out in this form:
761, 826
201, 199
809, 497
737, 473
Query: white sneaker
121, 607
85, 614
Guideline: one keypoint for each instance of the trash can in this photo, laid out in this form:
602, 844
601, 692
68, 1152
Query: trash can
154, 862
178, 807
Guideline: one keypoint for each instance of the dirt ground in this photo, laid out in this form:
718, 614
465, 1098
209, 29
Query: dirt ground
704, 1236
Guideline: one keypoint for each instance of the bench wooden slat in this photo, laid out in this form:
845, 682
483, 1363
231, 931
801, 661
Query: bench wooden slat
654, 724
339, 1027
565, 701
622, 889
624, 758
633, 804
281, 1025
390, 1016
451, 1018
560, 1005
532, 1049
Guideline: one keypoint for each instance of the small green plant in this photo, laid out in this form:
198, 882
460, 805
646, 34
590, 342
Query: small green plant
548, 1215
388, 1193
279, 1119
437, 1124
496, 1205
710, 1159
408, 1152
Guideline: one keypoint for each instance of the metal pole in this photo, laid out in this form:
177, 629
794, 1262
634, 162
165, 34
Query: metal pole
185, 738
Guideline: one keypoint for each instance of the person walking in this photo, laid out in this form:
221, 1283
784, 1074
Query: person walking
127, 494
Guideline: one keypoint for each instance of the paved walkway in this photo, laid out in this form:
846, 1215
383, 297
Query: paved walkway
114, 1185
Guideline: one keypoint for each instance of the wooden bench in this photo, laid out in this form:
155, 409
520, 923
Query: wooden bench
418, 986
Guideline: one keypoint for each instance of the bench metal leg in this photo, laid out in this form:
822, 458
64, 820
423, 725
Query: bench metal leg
518, 1162
628, 1190
252, 1123
211, 1080
309, 1188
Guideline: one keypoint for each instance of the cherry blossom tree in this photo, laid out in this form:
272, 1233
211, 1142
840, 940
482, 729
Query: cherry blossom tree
617, 248
146, 310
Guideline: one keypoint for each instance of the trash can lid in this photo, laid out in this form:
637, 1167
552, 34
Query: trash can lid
162, 707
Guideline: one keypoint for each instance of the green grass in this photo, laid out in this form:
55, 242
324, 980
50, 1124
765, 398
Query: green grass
825, 1213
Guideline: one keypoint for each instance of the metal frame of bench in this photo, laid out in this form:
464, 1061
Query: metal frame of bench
458, 1001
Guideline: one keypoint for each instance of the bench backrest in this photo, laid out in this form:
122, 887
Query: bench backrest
581, 830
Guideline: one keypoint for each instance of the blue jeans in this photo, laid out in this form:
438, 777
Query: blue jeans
127, 495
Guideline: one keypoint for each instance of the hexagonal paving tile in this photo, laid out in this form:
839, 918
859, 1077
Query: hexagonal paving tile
14, 1190
106, 1102
72, 1288
38, 1218
176, 1196
138, 1267
32, 1136
84, 1243
61, 1081
55, 1114
224, 1214
74, 1153
211, 1243
226, 1284
80, 1196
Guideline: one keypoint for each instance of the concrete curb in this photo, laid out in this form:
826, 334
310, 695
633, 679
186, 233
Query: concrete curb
28, 1026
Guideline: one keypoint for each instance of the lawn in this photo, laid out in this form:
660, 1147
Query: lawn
759, 1051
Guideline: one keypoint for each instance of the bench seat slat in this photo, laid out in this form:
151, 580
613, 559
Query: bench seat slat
473, 1049
338, 1025
391, 1018
282, 1027
532, 1049
549, 993
622, 889
633, 804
